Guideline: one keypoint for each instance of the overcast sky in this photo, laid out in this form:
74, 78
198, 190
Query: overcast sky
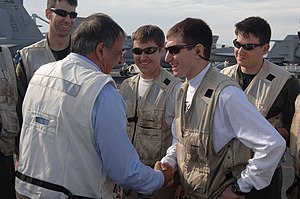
220, 15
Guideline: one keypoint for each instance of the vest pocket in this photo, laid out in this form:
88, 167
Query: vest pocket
196, 177
196, 145
151, 119
42, 123
195, 160
149, 145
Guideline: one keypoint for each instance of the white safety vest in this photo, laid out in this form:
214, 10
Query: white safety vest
57, 142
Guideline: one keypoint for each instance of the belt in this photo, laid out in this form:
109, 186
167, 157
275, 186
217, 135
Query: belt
48, 185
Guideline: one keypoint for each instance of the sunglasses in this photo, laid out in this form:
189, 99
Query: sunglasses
245, 46
177, 48
148, 50
64, 13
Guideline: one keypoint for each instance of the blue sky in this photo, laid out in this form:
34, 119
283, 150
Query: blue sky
220, 15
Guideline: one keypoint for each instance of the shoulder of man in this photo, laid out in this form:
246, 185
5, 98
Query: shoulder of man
228, 69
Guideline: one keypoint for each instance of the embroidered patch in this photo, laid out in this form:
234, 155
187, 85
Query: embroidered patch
167, 81
270, 77
42, 120
208, 93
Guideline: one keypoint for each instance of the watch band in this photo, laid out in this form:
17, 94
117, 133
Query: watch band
235, 188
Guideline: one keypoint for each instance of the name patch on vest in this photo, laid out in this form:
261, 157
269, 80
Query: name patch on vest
167, 81
42, 120
208, 93
270, 77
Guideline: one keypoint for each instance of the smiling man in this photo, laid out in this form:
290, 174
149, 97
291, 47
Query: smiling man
75, 145
216, 126
150, 100
55, 46
269, 87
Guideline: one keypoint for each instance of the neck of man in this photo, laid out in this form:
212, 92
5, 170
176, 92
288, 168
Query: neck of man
198, 68
252, 70
150, 76
58, 43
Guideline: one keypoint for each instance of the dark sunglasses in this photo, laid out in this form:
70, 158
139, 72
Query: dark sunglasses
177, 48
64, 13
148, 50
245, 46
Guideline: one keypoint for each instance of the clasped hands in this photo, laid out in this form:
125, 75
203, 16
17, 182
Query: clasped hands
167, 170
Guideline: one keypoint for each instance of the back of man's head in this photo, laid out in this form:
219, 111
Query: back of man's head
148, 33
94, 29
193, 31
51, 3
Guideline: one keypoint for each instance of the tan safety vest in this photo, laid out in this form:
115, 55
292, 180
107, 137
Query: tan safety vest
264, 88
146, 125
295, 137
62, 128
9, 125
204, 173
35, 56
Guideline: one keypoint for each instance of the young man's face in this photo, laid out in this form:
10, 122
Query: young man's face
147, 57
251, 58
61, 25
181, 59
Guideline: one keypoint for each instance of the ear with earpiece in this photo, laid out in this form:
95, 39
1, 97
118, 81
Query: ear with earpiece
48, 13
197, 51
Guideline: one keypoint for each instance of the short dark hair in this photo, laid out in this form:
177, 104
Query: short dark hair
94, 29
255, 26
194, 31
148, 33
51, 3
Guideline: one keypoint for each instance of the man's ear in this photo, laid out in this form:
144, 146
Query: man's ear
48, 13
266, 48
198, 49
99, 49
199, 52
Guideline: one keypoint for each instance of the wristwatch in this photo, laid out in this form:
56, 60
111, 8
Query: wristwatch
235, 188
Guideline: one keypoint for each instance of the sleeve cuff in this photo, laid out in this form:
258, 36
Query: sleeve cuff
170, 161
244, 186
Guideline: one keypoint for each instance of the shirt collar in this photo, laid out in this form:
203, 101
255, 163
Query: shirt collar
86, 60
196, 81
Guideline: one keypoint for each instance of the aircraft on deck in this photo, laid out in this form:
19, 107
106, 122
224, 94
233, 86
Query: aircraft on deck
21, 30
18, 29
286, 51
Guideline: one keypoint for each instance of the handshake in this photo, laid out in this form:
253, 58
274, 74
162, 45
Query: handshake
167, 170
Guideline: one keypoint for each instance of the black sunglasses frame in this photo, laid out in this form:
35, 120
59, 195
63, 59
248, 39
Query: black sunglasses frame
148, 50
64, 13
245, 46
177, 48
